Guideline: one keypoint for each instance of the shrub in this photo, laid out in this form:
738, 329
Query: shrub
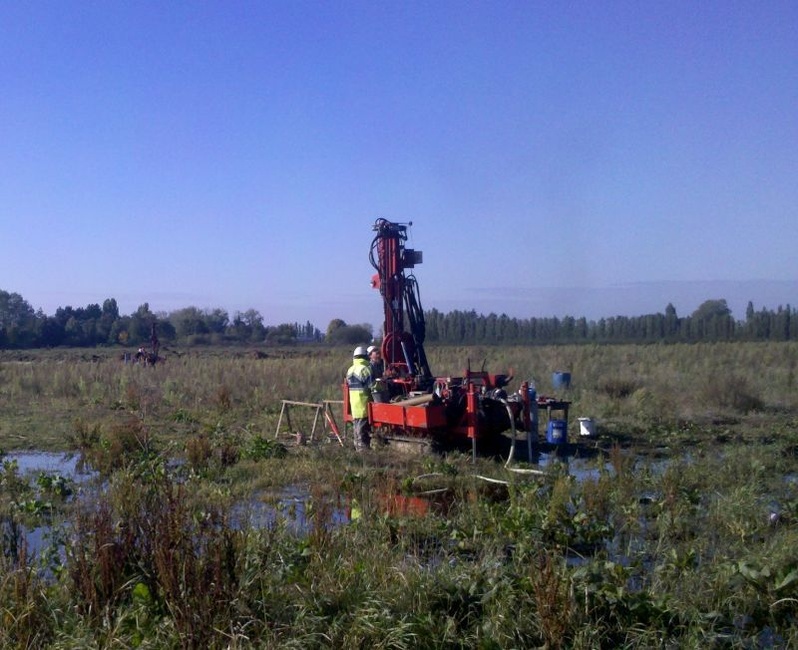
732, 392
261, 447
617, 388
123, 443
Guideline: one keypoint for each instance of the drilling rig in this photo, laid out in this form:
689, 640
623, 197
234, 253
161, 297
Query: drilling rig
416, 405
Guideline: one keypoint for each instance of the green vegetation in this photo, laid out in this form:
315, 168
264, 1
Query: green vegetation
23, 328
682, 534
711, 321
736, 389
94, 325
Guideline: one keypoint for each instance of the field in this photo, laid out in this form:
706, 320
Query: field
198, 527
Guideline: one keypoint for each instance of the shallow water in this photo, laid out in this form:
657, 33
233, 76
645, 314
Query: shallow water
33, 462
581, 469
291, 505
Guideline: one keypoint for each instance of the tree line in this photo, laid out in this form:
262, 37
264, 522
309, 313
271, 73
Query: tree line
95, 324
712, 321
23, 327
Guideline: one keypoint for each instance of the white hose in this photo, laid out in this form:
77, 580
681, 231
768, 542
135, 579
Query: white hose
512, 448
512, 425
491, 480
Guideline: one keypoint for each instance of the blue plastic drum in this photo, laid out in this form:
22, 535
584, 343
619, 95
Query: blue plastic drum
561, 380
557, 432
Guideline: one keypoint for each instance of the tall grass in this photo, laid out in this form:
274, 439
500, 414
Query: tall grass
675, 558
625, 385
693, 550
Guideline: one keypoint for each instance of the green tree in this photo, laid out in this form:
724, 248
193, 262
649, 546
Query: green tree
140, 324
283, 334
14, 310
109, 315
50, 333
671, 322
750, 321
17, 321
188, 322
110, 309
710, 309
335, 324
216, 320
713, 321
164, 328
350, 334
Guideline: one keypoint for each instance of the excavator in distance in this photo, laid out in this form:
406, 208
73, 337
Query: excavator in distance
415, 405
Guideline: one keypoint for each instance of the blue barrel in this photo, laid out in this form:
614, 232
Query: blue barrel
557, 432
561, 379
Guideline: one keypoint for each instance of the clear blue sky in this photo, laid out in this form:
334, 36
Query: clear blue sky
581, 158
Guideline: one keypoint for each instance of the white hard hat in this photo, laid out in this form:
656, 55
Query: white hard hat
371, 349
360, 351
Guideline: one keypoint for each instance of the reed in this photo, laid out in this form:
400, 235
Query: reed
624, 385
683, 537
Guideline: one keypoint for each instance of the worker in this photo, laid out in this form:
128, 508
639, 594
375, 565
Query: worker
379, 391
360, 383
376, 362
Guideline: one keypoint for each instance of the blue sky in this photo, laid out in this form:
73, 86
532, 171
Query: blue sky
584, 158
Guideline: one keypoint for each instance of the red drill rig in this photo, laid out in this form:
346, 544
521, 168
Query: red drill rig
415, 405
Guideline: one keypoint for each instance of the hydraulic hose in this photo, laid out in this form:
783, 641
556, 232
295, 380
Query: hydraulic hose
512, 445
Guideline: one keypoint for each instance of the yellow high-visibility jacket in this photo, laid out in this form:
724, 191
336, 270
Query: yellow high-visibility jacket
360, 382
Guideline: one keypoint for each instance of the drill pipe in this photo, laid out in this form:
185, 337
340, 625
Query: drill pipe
418, 401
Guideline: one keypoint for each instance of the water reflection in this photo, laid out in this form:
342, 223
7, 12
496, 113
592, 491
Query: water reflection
292, 506
34, 462
581, 468
30, 465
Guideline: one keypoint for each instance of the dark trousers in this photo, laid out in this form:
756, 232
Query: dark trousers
362, 430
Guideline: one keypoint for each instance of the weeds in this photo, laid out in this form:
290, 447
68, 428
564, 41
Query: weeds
692, 546
25, 621
551, 589
734, 393
122, 443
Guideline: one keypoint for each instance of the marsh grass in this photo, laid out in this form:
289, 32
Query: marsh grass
624, 387
25, 610
684, 536
154, 549
554, 599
